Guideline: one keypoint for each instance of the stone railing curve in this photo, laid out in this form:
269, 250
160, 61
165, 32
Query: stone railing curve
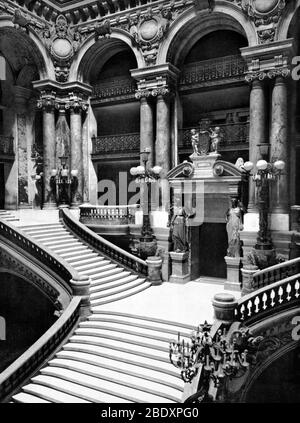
276, 273
16, 375
103, 246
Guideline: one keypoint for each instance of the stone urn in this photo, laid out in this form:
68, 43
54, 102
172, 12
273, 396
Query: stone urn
154, 270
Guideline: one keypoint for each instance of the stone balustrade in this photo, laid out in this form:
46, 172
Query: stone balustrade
116, 215
116, 143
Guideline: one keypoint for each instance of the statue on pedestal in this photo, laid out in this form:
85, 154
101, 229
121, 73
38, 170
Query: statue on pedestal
178, 225
205, 140
234, 219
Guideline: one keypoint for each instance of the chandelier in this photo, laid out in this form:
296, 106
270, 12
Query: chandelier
220, 356
64, 183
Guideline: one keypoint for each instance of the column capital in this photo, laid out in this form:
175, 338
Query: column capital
47, 101
76, 103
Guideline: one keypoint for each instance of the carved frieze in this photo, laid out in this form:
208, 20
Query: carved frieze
62, 42
148, 30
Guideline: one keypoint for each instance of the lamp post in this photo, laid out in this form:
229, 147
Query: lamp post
63, 183
265, 174
146, 176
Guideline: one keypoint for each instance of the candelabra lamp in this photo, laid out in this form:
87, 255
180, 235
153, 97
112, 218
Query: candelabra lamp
221, 357
265, 174
64, 183
145, 176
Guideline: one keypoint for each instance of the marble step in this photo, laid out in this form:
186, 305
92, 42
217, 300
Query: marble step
136, 337
59, 241
116, 289
89, 263
42, 226
117, 377
127, 317
112, 387
51, 394
113, 276
127, 367
82, 258
66, 245
28, 398
75, 254
95, 269
71, 249
81, 392
49, 236
113, 284
148, 332
120, 296
48, 231
98, 278
132, 357
123, 344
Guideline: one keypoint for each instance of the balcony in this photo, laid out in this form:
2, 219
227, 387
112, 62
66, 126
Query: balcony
115, 144
208, 72
234, 135
6, 146
195, 75
111, 89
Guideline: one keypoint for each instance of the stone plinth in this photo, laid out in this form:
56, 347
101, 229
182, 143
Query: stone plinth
204, 165
233, 273
224, 306
180, 267
154, 270
247, 279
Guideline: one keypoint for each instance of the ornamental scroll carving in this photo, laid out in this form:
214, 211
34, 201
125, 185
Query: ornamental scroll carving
148, 30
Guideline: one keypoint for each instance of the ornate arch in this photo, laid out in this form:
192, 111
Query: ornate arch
29, 43
193, 25
101, 50
286, 20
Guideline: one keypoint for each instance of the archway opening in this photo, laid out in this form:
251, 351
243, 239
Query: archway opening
27, 312
279, 383
21, 63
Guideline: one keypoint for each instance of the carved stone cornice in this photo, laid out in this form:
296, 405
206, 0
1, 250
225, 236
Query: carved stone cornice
272, 73
268, 62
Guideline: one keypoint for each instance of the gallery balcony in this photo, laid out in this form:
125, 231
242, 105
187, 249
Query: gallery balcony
207, 73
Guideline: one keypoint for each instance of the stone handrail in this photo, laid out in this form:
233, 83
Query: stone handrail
114, 87
275, 273
34, 357
102, 245
74, 283
269, 300
122, 214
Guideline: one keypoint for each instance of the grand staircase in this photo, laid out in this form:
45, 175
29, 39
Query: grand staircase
111, 357
8, 216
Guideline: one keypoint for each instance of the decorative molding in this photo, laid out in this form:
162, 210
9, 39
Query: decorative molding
115, 143
271, 74
148, 30
263, 12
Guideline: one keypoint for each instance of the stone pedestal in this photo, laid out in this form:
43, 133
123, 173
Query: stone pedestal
81, 287
233, 273
224, 306
180, 267
154, 270
204, 165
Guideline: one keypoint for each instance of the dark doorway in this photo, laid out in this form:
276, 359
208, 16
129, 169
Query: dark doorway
280, 382
212, 250
2, 186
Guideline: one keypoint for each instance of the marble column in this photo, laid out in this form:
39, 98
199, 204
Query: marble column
146, 127
76, 152
162, 145
257, 133
279, 145
49, 151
